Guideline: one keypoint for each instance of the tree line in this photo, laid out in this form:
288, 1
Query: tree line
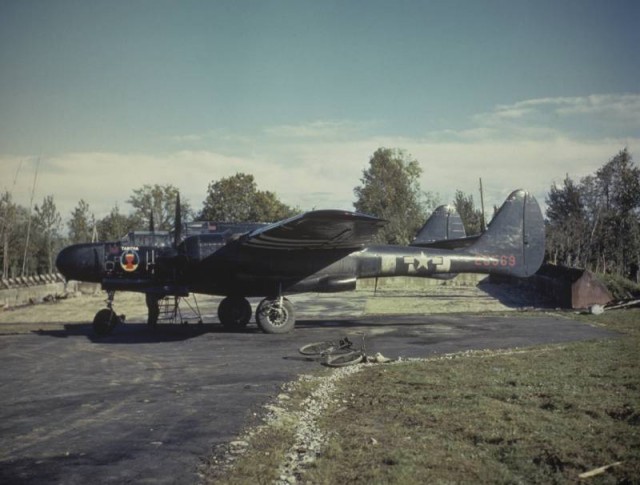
31, 239
593, 223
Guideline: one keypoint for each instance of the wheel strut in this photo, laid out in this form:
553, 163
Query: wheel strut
106, 319
111, 294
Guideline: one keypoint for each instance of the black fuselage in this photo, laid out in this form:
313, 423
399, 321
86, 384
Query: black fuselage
209, 265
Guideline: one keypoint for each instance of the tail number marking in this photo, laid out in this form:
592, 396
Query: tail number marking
497, 260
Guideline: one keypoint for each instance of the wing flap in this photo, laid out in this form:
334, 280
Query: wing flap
324, 229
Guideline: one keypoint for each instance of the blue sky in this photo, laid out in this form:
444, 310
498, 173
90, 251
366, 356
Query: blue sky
114, 94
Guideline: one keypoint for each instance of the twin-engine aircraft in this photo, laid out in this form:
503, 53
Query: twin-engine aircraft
318, 251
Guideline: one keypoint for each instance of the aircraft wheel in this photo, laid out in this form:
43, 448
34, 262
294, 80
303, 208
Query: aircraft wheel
234, 312
273, 316
104, 322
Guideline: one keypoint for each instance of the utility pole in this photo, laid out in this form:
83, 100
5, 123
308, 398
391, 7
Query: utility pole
482, 224
26, 244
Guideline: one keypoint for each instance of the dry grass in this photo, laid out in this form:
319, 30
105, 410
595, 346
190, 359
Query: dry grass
53, 316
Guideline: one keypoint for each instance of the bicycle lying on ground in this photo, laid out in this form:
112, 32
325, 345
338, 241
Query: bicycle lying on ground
336, 353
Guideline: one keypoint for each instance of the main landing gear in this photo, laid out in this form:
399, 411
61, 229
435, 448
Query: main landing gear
106, 319
273, 315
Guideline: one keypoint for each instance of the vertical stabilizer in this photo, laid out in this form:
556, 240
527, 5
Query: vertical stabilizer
515, 236
444, 224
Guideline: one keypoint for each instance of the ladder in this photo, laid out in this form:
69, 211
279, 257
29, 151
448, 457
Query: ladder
171, 312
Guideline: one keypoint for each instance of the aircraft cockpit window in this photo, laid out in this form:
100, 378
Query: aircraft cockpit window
139, 238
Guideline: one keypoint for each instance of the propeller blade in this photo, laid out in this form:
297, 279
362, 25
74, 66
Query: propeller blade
152, 226
178, 222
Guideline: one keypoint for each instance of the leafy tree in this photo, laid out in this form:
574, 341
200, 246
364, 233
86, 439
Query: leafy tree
567, 226
48, 240
158, 202
81, 224
268, 208
8, 217
471, 217
16, 237
391, 190
237, 199
116, 225
618, 184
596, 223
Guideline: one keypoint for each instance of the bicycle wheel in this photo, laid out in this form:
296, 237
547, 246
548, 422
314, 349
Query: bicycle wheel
341, 360
318, 348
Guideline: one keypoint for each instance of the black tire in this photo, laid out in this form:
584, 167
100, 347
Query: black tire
234, 312
318, 348
273, 317
104, 322
342, 360
328, 347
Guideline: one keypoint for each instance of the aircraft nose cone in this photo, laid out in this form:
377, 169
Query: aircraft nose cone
81, 262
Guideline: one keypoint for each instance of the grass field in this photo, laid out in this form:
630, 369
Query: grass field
538, 415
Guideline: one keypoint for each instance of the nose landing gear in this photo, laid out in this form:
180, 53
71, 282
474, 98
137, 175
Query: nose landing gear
106, 319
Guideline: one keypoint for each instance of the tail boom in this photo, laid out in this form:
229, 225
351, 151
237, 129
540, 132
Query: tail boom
512, 245
421, 262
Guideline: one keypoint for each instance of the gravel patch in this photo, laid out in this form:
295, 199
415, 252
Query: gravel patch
309, 439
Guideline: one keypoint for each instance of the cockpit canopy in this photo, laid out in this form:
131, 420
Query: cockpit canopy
159, 239
223, 230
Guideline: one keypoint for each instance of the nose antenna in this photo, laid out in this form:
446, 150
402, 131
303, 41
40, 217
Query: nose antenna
178, 223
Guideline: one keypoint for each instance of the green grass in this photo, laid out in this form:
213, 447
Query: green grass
535, 416
620, 287
259, 465
538, 415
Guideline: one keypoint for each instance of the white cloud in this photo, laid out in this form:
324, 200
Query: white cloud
318, 129
618, 105
533, 143
189, 138
318, 164
620, 112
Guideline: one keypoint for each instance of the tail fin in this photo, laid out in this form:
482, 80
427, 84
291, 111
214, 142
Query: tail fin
444, 224
514, 242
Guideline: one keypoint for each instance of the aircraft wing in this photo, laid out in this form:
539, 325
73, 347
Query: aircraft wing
323, 229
